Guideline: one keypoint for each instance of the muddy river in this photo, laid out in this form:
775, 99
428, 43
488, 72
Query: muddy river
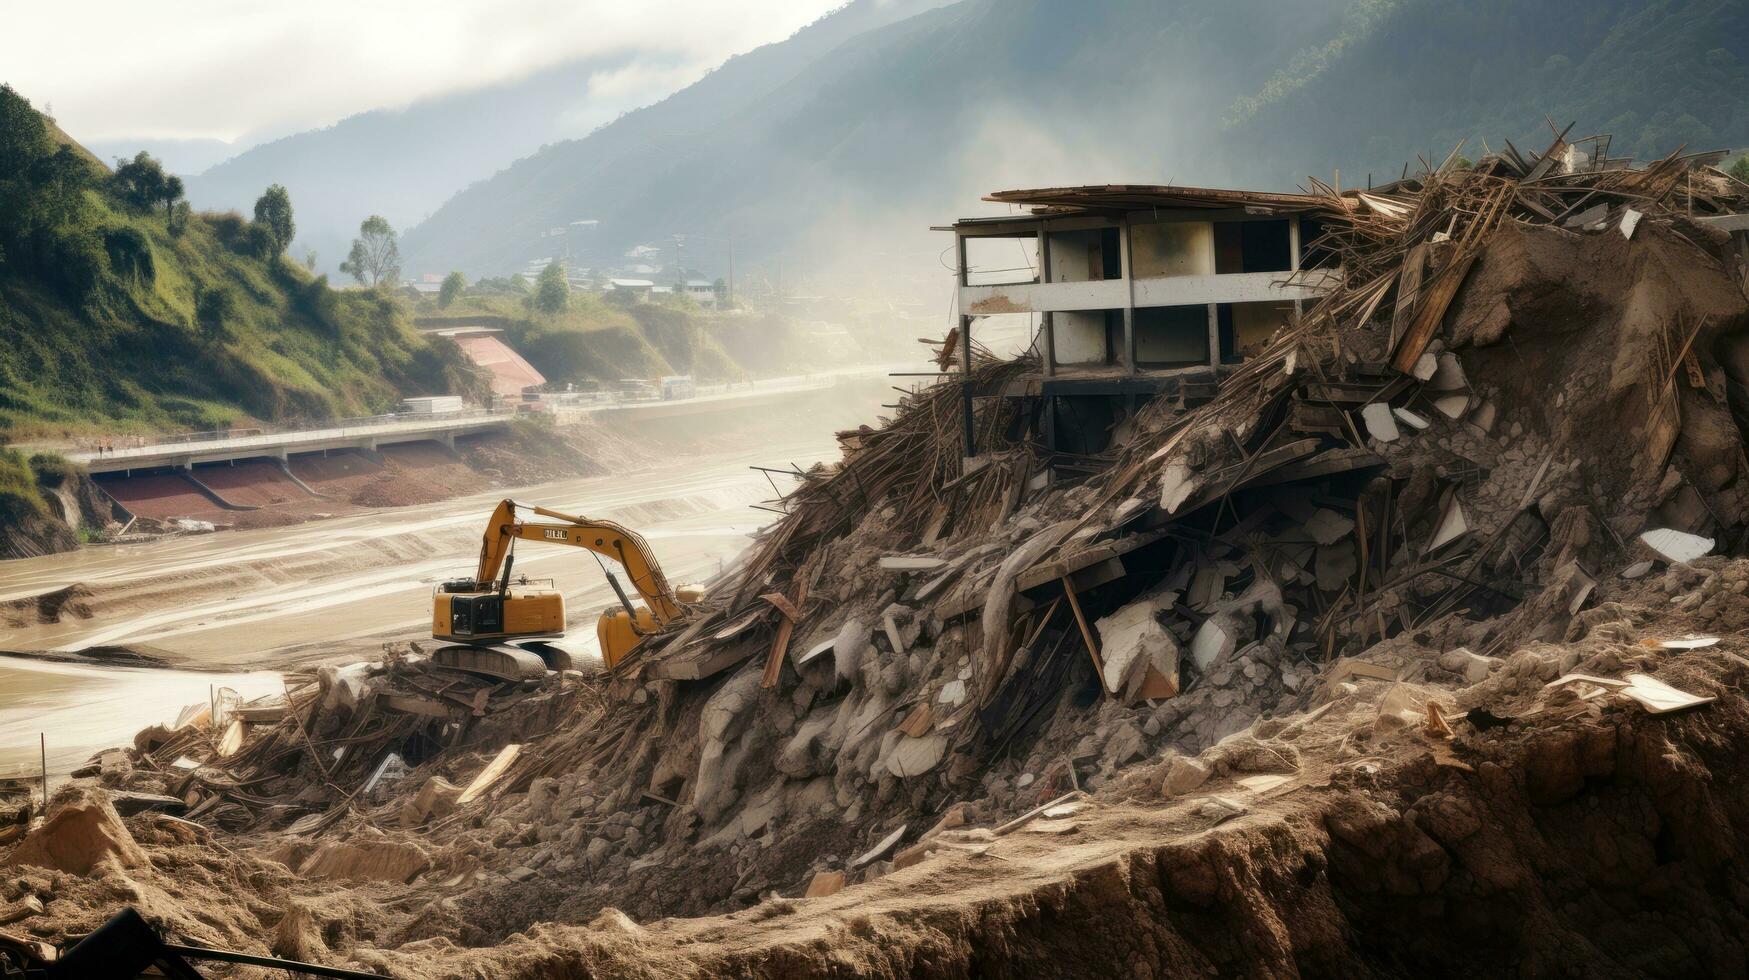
236, 607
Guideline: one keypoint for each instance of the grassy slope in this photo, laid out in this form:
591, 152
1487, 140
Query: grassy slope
600, 341
132, 358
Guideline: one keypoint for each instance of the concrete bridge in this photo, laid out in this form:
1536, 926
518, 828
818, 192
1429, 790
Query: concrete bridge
367, 433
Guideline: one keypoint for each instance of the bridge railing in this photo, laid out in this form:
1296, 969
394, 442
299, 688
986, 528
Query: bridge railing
120, 445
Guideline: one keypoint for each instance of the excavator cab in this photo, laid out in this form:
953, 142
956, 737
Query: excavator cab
489, 609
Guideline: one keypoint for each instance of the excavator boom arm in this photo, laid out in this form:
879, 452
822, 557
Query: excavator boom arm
605, 538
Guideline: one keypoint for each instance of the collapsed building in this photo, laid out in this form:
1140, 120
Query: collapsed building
1384, 532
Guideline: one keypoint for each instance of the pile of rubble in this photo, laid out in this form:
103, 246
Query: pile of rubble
1463, 501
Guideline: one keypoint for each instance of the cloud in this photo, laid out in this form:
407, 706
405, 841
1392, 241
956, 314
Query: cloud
230, 69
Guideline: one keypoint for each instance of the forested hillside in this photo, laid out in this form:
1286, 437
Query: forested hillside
908, 123
121, 309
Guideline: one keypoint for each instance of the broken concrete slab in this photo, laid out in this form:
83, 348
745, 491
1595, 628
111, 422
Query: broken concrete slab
1410, 419
1452, 406
1660, 698
1474, 667
1453, 524
881, 849
1215, 638
1177, 484
1449, 375
1676, 546
436, 798
1132, 640
1381, 424
1630, 220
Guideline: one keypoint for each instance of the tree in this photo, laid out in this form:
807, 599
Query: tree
376, 256
1740, 169
143, 183
169, 195
211, 310
551, 292
453, 284
273, 211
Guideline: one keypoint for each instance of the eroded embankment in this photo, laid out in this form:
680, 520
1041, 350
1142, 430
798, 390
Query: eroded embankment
1610, 839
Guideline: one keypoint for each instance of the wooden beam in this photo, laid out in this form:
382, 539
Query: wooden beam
1086, 634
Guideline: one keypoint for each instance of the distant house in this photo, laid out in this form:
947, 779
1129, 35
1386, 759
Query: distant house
640, 288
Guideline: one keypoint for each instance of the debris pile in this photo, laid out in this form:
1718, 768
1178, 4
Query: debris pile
1444, 551
333, 746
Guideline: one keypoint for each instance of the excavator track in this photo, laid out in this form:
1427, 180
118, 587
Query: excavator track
501, 661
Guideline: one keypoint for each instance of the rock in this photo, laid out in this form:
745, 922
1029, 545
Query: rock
811, 750
1184, 774
1126, 744
724, 717
1474, 667
83, 833
907, 757
522, 873
436, 798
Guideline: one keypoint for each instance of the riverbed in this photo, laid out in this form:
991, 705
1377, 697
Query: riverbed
236, 608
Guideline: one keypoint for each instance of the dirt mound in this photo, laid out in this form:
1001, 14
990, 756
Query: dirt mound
47, 608
82, 832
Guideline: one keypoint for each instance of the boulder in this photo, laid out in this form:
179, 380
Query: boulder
1185, 774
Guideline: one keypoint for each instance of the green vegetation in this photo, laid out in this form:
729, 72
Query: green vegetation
595, 338
143, 183
452, 287
551, 291
111, 318
1740, 169
20, 495
375, 259
273, 212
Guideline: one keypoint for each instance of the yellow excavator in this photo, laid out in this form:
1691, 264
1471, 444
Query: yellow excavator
491, 611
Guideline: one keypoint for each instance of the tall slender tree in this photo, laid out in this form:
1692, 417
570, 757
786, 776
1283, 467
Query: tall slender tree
273, 211
376, 255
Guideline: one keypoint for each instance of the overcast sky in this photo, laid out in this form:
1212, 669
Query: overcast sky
229, 69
